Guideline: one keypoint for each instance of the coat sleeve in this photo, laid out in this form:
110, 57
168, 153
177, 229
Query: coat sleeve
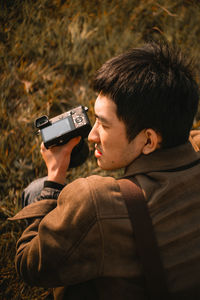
62, 246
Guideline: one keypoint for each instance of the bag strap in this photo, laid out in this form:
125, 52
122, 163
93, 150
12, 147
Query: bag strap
146, 243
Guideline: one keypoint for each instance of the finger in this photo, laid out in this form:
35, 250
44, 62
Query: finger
66, 148
195, 146
42, 147
73, 142
194, 132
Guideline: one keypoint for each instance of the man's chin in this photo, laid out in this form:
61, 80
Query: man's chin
101, 165
105, 166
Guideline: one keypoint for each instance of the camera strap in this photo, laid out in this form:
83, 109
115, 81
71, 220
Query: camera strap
146, 243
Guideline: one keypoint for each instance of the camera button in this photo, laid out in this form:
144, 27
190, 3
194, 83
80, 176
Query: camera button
79, 119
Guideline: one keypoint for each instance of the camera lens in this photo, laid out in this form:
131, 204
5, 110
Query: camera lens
79, 154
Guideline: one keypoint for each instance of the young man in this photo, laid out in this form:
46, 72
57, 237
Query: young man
81, 242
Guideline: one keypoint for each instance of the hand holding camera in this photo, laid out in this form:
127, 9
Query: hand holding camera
57, 160
68, 128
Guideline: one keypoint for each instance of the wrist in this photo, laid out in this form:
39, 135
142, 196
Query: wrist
57, 177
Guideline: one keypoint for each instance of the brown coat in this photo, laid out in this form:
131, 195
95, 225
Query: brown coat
84, 240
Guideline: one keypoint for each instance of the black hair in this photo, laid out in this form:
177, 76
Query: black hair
152, 87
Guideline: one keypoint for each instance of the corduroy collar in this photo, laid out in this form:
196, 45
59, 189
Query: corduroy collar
163, 160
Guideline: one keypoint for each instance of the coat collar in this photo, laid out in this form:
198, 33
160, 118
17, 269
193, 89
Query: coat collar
163, 160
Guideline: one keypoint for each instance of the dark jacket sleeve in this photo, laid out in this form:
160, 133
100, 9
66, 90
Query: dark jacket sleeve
63, 245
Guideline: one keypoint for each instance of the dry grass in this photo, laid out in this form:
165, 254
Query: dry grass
49, 51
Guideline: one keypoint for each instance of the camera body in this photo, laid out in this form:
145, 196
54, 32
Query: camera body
62, 128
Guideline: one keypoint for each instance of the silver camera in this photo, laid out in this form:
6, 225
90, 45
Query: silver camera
62, 128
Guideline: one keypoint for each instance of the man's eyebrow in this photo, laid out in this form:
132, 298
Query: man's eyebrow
102, 119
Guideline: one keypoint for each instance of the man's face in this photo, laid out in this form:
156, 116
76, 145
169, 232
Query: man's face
112, 149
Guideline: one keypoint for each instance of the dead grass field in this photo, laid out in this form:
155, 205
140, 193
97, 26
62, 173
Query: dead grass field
49, 51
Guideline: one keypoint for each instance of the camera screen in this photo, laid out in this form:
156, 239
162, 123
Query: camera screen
57, 129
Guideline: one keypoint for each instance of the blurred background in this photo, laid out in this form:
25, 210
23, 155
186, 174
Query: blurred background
49, 52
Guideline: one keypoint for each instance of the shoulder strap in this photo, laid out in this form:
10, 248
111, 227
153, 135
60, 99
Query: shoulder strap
145, 240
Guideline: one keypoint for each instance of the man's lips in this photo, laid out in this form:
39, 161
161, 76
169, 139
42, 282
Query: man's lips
97, 152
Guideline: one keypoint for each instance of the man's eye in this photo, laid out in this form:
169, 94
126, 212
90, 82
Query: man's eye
104, 126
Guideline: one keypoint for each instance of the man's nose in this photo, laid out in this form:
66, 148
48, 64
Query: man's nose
93, 135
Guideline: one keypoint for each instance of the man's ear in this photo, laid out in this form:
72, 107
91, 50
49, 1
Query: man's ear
152, 141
